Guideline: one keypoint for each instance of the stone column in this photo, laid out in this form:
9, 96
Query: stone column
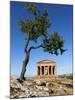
51, 70
48, 70
44, 70
40, 71
54, 70
37, 70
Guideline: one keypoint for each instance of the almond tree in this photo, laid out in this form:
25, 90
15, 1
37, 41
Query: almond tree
36, 27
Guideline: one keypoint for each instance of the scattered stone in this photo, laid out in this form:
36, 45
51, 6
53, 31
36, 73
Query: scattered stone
38, 88
41, 83
51, 91
49, 84
46, 89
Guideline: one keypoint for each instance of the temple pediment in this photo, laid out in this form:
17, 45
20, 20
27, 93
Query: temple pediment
45, 61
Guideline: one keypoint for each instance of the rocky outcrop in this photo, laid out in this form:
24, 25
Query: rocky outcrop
38, 88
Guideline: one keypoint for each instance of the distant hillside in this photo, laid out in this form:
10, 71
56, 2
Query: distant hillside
70, 76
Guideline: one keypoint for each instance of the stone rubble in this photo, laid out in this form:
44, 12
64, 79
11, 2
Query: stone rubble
40, 88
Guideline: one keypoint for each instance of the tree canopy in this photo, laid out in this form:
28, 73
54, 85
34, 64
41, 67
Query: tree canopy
36, 27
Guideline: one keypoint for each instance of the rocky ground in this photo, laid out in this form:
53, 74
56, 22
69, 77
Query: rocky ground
43, 87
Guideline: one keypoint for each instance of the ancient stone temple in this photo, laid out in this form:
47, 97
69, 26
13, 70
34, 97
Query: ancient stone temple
46, 68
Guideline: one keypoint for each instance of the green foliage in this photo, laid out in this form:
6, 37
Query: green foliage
37, 26
25, 25
31, 7
54, 44
45, 13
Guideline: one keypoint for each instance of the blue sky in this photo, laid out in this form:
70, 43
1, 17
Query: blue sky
62, 20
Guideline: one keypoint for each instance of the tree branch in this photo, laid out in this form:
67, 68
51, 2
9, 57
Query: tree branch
35, 47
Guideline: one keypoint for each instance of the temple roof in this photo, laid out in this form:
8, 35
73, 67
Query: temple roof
46, 61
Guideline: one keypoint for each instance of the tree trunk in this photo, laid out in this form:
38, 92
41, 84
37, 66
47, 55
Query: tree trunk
25, 62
